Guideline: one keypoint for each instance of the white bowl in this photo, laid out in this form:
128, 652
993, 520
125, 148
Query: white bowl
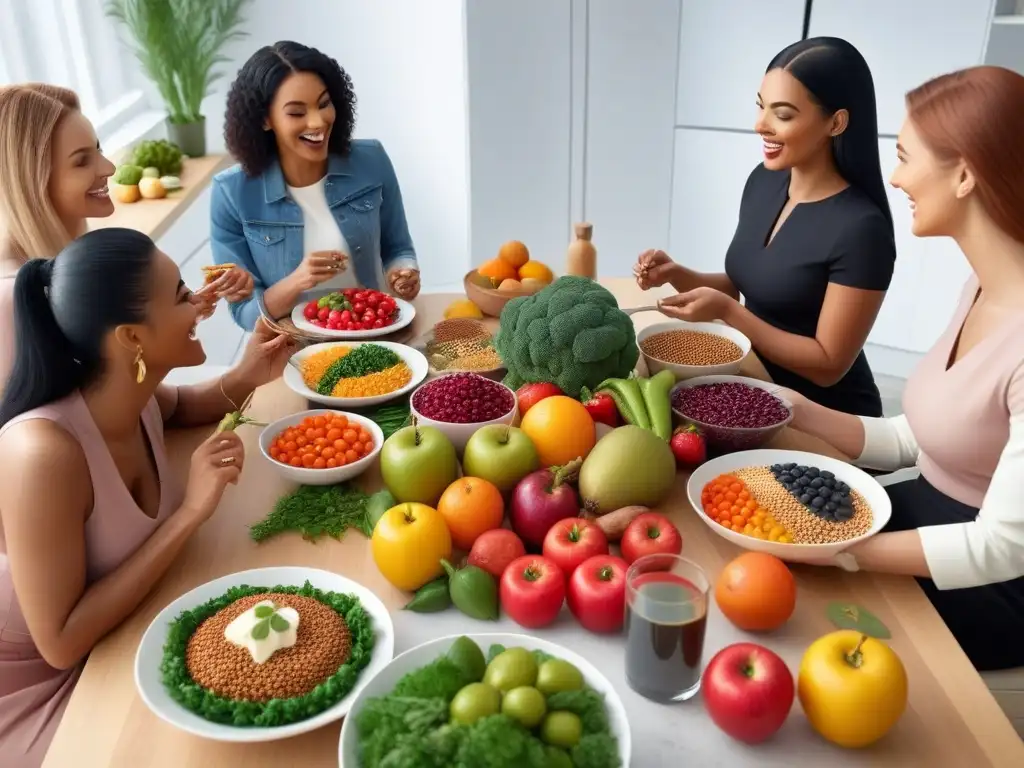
150, 653
421, 655
689, 371
459, 434
873, 493
414, 359
328, 476
732, 438
406, 313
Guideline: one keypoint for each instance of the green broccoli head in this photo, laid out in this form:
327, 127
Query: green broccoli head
571, 333
127, 175
161, 154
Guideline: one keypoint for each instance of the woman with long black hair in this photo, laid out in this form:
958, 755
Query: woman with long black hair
813, 252
90, 513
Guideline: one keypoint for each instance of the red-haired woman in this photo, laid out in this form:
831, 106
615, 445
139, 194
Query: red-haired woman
959, 527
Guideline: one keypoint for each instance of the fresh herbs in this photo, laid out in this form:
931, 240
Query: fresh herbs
390, 417
269, 619
208, 705
235, 419
315, 511
361, 361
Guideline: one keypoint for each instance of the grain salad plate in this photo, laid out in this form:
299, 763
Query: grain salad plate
304, 367
155, 668
406, 314
861, 506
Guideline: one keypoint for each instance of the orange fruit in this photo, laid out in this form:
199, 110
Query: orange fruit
471, 506
756, 592
498, 270
515, 253
534, 270
561, 430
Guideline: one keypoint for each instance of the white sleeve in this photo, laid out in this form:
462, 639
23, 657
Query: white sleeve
889, 444
990, 549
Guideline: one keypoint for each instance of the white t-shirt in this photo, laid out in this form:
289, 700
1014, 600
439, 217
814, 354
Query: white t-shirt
322, 233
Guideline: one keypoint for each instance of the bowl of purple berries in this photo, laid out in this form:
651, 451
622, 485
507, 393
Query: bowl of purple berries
458, 404
734, 413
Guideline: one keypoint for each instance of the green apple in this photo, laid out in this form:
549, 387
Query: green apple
500, 454
418, 464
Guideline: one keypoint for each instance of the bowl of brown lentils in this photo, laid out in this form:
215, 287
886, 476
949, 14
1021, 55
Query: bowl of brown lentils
692, 349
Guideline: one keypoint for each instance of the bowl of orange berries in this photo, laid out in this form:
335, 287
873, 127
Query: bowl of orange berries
321, 447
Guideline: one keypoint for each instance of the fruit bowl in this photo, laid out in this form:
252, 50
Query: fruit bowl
330, 475
654, 365
422, 655
490, 300
869, 488
459, 432
730, 438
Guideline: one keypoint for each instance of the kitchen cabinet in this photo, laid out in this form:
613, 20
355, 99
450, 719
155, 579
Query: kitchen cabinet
630, 114
724, 49
906, 42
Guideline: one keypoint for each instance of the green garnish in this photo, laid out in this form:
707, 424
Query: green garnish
361, 361
261, 630
315, 511
279, 623
270, 619
390, 417
264, 611
208, 705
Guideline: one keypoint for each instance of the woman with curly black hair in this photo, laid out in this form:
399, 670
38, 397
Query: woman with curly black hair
308, 206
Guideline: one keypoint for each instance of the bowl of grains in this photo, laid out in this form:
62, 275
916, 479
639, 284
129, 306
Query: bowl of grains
461, 345
692, 349
321, 447
458, 404
733, 413
355, 374
799, 506
264, 654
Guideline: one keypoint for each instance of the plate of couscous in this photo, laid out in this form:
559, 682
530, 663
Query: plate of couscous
352, 374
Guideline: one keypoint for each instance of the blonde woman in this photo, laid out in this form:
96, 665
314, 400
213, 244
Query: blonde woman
50, 185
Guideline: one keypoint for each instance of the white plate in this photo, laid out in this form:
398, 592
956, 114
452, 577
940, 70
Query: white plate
873, 493
421, 655
406, 313
150, 653
415, 360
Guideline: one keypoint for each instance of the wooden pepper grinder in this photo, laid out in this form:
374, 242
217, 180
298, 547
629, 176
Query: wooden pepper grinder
581, 257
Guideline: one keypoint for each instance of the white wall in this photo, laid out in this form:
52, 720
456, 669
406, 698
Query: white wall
407, 63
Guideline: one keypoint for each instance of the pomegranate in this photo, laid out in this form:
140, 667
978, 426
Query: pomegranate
541, 499
463, 398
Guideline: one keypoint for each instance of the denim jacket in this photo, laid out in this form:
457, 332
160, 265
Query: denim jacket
255, 225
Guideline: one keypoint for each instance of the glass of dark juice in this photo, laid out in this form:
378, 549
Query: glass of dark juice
666, 615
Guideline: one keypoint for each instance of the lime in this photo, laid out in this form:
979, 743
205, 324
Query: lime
467, 656
474, 701
562, 729
525, 705
556, 758
511, 669
555, 676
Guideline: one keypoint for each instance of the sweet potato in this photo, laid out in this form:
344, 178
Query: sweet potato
614, 524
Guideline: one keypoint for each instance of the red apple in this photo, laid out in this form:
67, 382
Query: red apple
571, 541
650, 534
748, 691
529, 395
540, 500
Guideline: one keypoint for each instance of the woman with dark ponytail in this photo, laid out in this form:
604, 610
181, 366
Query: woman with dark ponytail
96, 331
813, 252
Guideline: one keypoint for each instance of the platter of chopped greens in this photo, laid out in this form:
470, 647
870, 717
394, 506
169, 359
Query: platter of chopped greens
487, 701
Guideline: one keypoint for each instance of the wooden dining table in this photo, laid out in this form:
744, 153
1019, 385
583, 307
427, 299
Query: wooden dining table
951, 719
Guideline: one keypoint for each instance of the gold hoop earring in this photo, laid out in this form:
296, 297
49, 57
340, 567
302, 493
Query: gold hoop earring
140, 366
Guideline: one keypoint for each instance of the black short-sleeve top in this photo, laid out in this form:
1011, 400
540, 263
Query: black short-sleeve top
844, 239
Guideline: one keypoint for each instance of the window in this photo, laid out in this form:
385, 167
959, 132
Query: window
72, 43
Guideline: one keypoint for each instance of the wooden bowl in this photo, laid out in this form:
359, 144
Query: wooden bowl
490, 300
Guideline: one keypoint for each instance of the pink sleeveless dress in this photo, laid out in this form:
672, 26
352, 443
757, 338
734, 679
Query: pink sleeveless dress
33, 694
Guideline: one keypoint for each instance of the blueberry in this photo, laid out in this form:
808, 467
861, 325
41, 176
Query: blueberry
827, 475
831, 506
812, 472
829, 482
817, 502
805, 499
836, 497
785, 477
790, 465
801, 469
824, 493
843, 487
776, 467
817, 482
842, 515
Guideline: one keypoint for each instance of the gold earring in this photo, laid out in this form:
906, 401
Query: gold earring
140, 366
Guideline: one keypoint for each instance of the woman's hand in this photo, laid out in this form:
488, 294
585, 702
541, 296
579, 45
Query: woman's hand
236, 284
215, 464
701, 305
319, 267
404, 282
653, 269
265, 355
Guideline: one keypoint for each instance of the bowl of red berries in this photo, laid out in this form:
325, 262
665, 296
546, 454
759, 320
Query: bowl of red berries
458, 404
354, 313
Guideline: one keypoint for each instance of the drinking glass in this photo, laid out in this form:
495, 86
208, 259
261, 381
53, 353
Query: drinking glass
666, 615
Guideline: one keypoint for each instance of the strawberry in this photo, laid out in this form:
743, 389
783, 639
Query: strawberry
689, 447
601, 407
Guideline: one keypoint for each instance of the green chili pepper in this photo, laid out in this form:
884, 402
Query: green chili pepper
656, 393
431, 598
628, 399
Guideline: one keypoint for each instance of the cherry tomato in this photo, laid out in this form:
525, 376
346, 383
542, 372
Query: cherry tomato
532, 591
311, 310
373, 299
324, 313
378, 323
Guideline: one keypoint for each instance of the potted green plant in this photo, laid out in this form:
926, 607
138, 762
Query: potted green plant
178, 43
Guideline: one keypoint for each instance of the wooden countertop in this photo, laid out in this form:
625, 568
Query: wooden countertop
155, 217
951, 720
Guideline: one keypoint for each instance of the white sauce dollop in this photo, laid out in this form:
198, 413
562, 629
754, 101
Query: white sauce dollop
240, 631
